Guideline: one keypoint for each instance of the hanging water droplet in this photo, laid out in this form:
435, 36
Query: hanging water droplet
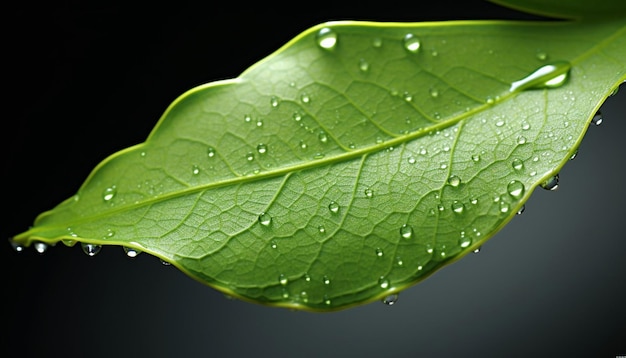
552, 183
454, 180
521, 210
210, 152
411, 43
515, 189
406, 231
517, 164
261, 148
109, 193
165, 263
383, 282
333, 207
326, 38
391, 299
265, 219
477, 250
548, 76
40, 247
369, 193
364, 66
90, 249
458, 207
283, 280
379, 252
17, 247
574, 155
130, 252
597, 119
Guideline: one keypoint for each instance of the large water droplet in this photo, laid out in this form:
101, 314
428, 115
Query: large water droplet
40, 247
265, 219
547, 76
406, 231
333, 207
326, 38
552, 183
411, 43
517, 164
454, 180
597, 119
109, 193
458, 207
516, 189
90, 249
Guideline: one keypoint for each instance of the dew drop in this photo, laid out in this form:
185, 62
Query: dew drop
515, 189
465, 241
411, 43
327, 300
274, 101
265, 219
391, 299
17, 247
323, 137
364, 66
377, 42
333, 207
321, 229
296, 116
458, 207
165, 263
454, 180
247, 118
109, 193
383, 282
195, 170
548, 76
130, 252
597, 119
326, 280
504, 207
90, 249
261, 148
406, 231
541, 56
40, 247
476, 158
552, 183
517, 164
273, 244
369, 193
521, 140
379, 252
525, 126
305, 98
250, 156
210, 152
326, 38
283, 280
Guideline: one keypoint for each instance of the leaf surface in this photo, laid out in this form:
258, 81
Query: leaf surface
353, 162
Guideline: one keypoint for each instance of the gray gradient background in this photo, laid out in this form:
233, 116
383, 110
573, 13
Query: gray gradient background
87, 81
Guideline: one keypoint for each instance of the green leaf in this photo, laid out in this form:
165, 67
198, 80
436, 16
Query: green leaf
352, 163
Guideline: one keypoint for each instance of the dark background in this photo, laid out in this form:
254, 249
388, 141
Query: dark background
84, 81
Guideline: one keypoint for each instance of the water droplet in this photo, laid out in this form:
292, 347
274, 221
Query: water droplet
490, 100
333, 207
454, 181
274, 101
130, 252
261, 148
477, 250
377, 42
364, 66
379, 252
109, 193
247, 118
326, 38
250, 156
399, 261
521, 210
304, 296
541, 56
195, 170
17, 247
369, 193
406, 231
283, 280
165, 263
411, 43
259, 122
391, 299
210, 152
476, 158
407, 96
305, 98
273, 244
297, 116
517, 164
521, 140
90, 249
322, 137
515, 189
525, 126
321, 229
499, 123
326, 280
40, 247
327, 300
307, 277
552, 183
547, 76
504, 207
383, 282
574, 155
265, 219
597, 119
458, 207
